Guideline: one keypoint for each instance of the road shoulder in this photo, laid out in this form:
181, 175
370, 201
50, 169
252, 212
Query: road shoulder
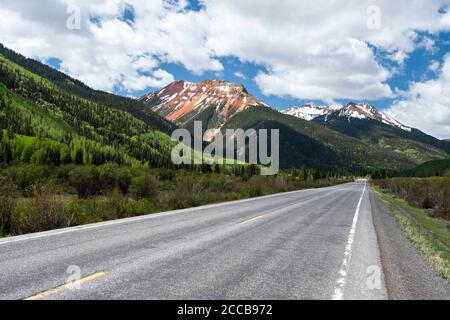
407, 274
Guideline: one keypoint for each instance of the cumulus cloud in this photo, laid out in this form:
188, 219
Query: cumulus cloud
398, 56
306, 49
434, 65
321, 49
108, 52
240, 75
427, 104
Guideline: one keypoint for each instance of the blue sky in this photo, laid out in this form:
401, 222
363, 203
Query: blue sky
416, 68
391, 54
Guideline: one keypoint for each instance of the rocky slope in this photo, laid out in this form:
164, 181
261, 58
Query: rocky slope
212, 101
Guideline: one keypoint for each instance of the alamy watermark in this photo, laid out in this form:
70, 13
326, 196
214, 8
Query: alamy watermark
228, 148
373, 17
73, 280
373, 281
73, 22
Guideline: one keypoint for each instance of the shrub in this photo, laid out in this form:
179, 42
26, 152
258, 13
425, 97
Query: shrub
183, 193
428, 193
124, 177
85, 180
256, 186
107, 175
26, 176
8, 199
44, 212
118, 205
281, 184
144, 186
166, 174
79, 212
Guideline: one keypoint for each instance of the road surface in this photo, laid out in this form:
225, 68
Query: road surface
330, 243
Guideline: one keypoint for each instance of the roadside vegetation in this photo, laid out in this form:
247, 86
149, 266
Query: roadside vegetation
36, 198
431, 193
421, 207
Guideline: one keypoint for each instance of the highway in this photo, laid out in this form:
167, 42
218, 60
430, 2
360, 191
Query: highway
330, 243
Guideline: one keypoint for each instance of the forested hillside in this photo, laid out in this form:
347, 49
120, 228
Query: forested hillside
43, 123
76, 87
429, 169
310, 144
415, 144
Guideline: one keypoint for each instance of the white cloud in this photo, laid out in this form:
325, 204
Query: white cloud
428, 44
112, 54
399, 56
319, 49
434, 65
427, 104
310, 49
240, 75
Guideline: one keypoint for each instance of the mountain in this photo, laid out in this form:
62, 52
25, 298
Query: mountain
212, 101
47, 119
76, 87
367, 123
355, 137
309, 112
350, 111
310, 144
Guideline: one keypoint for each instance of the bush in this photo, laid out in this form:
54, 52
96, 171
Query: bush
257, 186
281, 184
166, 174
26, 176
124, 177
79, 212
44, 212
8, 199
427, 193
145, 186
118, 205
107, 175
85, 180
183, 192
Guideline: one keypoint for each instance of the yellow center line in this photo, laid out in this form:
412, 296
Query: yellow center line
252, 219
71, 285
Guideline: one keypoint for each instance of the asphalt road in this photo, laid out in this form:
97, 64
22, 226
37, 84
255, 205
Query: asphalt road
329, 243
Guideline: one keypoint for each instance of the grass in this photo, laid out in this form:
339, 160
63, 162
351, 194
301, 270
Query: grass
430, 235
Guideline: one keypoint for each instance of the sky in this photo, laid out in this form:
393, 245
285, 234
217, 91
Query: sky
392, 54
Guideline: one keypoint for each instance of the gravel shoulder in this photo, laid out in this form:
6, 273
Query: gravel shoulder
408, 276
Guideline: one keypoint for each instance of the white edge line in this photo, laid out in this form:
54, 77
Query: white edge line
343, 272
141, 218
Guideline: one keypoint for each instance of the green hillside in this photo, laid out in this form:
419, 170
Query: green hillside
306, 144
43, 123
76, 87
415, 144
430, 169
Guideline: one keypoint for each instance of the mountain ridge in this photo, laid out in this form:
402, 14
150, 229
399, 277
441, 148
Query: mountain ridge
183, 102
106, 127
80, 89
336, 134
351, 110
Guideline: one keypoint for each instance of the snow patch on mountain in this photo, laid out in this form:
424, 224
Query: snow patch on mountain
351, 110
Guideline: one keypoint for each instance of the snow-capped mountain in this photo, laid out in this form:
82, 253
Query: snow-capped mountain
351, 110
310, 112
215, 101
